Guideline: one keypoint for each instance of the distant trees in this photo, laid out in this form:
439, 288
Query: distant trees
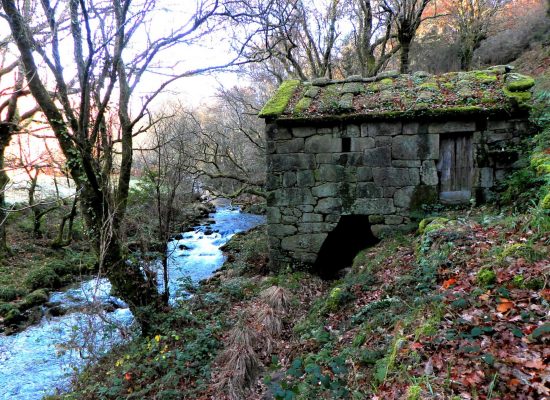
232, 153
303, 38
315, 42
472, 20
220, 146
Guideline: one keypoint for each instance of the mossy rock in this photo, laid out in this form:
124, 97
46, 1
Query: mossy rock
336, 298
10, 293
277, 104
6, 308
374, 87
545, 202
312, 92
520, 250
520, 98
36, 298
346, 102
44, 277
486, 277
429, 86
386, 81
12, 316
353, 87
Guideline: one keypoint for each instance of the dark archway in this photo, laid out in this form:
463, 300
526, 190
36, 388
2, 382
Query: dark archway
351, 235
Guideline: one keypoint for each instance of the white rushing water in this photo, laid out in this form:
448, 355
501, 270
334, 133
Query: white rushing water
42, 359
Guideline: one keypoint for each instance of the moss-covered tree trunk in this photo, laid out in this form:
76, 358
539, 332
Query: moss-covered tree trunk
103, 207
5, 137
404, 56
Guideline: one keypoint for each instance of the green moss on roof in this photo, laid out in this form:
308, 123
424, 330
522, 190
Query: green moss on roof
519, 99
494, 90
302, 105
277, 104
485, 76
520, 83
428, 86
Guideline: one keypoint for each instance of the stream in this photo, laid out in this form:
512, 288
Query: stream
42, 359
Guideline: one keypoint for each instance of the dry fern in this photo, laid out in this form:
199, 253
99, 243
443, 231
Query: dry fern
269, 320
239, 363
276, 297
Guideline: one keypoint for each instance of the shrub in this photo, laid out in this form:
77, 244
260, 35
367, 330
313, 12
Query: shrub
44, 277
60, 267
9, 293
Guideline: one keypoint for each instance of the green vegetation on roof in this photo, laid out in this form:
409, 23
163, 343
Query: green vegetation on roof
277, 104
491, 90
520, 83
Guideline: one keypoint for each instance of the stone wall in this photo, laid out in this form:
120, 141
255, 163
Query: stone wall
386, 170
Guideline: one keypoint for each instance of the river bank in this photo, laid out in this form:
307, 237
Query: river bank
44, 356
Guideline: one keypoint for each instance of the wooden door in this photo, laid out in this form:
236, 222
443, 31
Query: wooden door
455, 169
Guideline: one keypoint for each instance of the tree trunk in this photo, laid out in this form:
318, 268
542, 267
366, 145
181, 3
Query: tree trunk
466, 57
404, 56
5, 137
63, 240
136, 288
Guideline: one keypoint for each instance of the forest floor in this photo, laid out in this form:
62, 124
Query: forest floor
457, 310
33, 267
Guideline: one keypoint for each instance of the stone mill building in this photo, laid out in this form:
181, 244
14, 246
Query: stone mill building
350, 160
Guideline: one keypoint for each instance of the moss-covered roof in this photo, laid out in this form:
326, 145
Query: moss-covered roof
390, 95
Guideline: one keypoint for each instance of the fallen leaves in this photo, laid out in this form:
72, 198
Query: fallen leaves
448, 283
498, 333
505, 305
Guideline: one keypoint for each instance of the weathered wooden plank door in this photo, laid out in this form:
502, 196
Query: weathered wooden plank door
455, 168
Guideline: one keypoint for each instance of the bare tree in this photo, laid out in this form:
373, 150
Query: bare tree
231, 152
303, 40
472, 21
371, 43
10, 120
110, 59
167, 169
407, 17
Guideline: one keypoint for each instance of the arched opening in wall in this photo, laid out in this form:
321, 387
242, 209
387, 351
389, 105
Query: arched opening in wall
351, 235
